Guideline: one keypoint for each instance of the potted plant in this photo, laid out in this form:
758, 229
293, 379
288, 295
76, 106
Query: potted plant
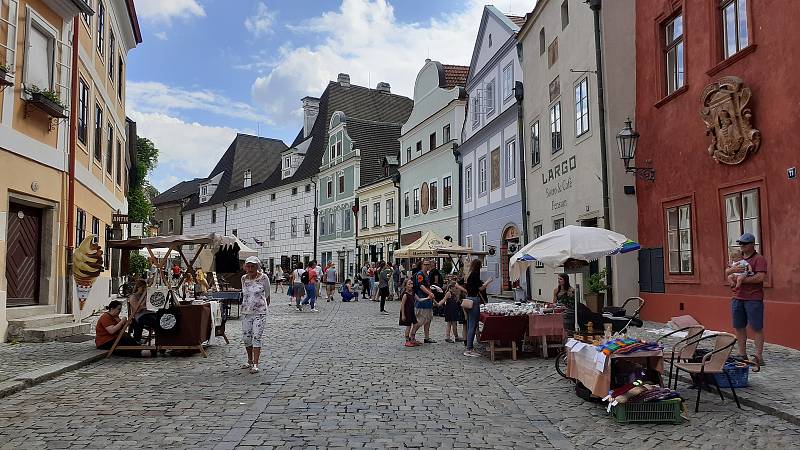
4, 71
47, 100
595, 291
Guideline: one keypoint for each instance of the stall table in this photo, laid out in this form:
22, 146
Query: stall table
583, 366
543, 326
499, 330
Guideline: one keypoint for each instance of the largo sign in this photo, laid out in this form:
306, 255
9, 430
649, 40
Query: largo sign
558, 179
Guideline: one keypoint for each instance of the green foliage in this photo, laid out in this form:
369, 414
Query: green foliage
4, 68
48, 94
139, 207
146, 159
597, 282
138, 264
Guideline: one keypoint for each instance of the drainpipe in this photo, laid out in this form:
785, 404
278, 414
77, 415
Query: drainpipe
316, 217
225, 223
596, 6
396, 183
457, 156
73, 138
519, 95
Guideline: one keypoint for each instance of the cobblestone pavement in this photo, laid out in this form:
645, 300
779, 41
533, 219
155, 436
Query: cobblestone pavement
341, 379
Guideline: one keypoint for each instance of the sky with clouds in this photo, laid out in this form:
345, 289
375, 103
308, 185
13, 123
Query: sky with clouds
208, 69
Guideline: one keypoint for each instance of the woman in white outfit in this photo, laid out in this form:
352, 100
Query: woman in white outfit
255, 298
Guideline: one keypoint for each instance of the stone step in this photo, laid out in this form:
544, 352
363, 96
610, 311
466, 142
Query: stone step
43, 320
53, 332
19, 312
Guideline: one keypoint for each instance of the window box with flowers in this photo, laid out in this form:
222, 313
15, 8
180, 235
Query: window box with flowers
5, 75
47, 101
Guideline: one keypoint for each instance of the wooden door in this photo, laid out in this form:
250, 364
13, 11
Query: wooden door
23, 254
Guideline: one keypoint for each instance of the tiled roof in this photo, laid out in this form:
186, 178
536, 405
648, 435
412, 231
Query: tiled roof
518, 20
262, 156
178, 192
455, 75
375, 141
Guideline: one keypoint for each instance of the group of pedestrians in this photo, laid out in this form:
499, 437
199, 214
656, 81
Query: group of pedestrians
461, 300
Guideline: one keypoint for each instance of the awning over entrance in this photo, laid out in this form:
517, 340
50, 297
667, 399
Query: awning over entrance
431, 245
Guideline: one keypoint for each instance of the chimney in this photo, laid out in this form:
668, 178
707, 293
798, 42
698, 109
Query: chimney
310, 112
384, 87
344, 79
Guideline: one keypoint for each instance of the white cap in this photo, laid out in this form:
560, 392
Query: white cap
253, 260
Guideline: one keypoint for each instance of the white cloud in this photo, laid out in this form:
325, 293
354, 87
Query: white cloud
260, 24
164, 11
162, 35
186, 149
365, 39
151, 96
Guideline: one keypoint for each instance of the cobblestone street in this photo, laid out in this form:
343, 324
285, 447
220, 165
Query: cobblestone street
342, 379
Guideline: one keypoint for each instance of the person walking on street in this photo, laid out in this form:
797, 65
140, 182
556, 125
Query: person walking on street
255, 298
384, 274
424, 302
311, 281
298, 289
279, 277
373, 291
330, 281
407, 317
453, 314
365, 281
396, 276
747, 305
474, 286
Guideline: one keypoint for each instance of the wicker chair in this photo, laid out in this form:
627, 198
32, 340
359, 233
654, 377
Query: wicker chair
711, 363
682, 350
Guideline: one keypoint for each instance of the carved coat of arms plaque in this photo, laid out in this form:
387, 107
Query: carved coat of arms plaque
728, 121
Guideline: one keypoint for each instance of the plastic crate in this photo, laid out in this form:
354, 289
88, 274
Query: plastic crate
739, 376
664, 411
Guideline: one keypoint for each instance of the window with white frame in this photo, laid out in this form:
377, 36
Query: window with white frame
482, 175
433, 196
98, 132
110, 149
118, 175
171, 225
508, 81
468, 241
83, 110
120, 76
511, 160
248, 178
536, 149
447, 191
101, 27
416, 200
341, 183
468, 182
322, 225
558, 223
408, 154
742, 215
87, 19
329, 186
272, 230
734, 24
213, 216
332, 153
191, 221
419, 147
40, 53
376, 214
390, 211
537, 232
582, 107
555, 127
111, 54
446, 133
306, 225
406, 206
364, 218
294, 226
679, 239
484, 242
490, 97
674, 50
332, 224
476, 103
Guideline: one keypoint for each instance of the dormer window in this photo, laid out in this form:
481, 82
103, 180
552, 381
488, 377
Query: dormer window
248, 178
204, 190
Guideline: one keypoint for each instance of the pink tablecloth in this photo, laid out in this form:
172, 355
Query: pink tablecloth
546, 325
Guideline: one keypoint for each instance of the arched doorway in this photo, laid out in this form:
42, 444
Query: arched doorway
509, 245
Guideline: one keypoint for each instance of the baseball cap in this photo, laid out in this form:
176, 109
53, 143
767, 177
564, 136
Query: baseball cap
746, 238
253, 260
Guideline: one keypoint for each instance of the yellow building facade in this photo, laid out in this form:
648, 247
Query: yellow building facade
39, 136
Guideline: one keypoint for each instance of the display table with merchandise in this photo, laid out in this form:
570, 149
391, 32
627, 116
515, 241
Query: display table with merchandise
594, 369
503, 332
544, 326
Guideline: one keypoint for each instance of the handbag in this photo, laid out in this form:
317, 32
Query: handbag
466, 303
169, 316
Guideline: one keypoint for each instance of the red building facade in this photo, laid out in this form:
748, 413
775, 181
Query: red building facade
723, 170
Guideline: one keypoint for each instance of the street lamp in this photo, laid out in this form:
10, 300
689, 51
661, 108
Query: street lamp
627, 139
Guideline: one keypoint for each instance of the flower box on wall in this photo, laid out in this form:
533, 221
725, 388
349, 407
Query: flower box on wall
45, 104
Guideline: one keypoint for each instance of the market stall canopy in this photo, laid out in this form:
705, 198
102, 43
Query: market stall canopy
431, 245
245, 251
570, 242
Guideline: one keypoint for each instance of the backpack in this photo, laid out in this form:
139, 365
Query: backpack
304, 277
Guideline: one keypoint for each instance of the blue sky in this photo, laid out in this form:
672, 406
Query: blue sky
208, 69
